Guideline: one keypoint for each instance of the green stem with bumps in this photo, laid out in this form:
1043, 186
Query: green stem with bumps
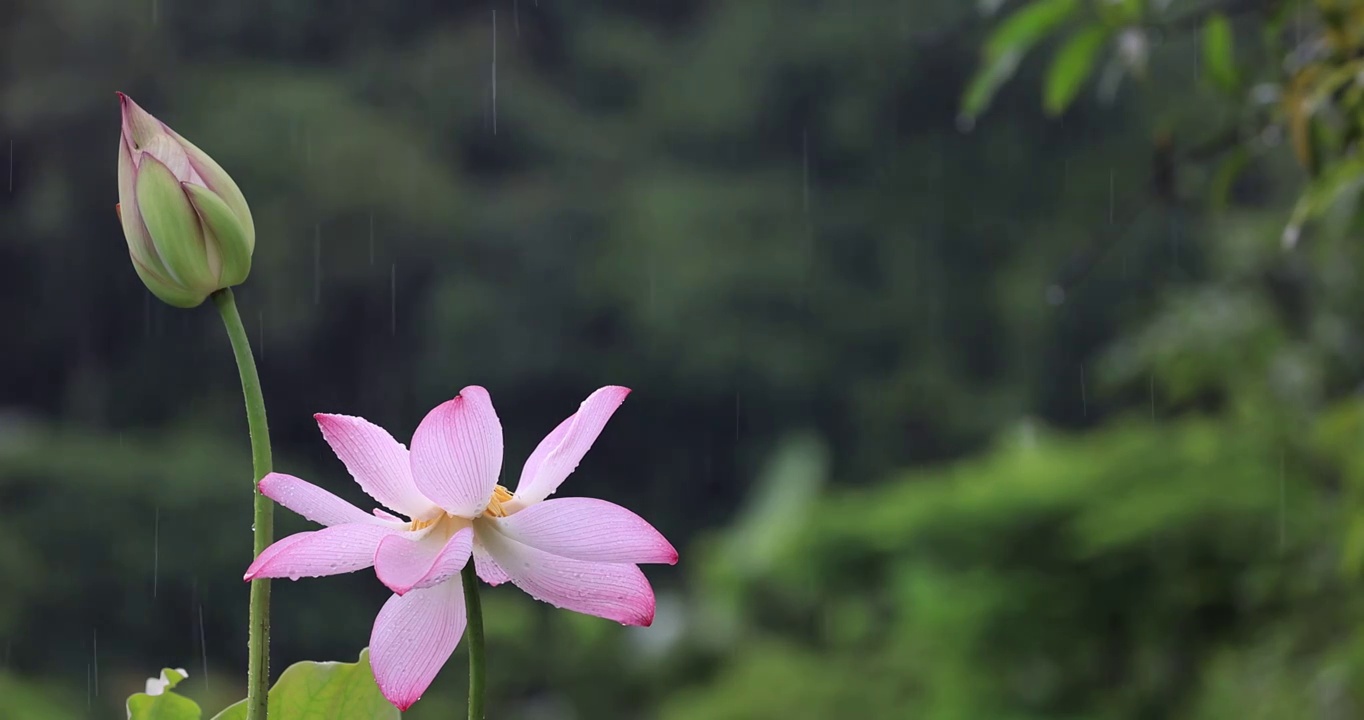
262, 528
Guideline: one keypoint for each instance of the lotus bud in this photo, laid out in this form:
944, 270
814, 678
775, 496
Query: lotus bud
188, 227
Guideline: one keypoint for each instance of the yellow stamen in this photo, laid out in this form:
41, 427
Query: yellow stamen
495, 509
423, 524
500, 496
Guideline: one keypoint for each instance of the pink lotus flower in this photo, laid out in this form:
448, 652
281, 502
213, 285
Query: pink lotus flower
575, 553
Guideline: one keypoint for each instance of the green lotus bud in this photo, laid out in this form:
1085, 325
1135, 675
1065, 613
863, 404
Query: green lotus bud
188, 227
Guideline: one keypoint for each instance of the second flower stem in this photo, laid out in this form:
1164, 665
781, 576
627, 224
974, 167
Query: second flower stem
263, 514
473, 634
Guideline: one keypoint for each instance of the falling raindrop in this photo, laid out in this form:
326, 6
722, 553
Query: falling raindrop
393, 299
156, 547
11, 166
317, 263
1153, 397
494, 71
1084, 400
1283, 502
805, 159
736, 416
516, 16
371, 237
155, 14
1174, 242
203, 645
94, 659
1111, 197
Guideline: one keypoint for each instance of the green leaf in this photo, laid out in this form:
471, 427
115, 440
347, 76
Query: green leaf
1019, 32
1007, 45
165, 706
1071, 67
324, 691
1219, 59
986, 83
1224, 178
1342, 181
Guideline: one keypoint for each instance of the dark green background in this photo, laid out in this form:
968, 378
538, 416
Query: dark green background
947, 422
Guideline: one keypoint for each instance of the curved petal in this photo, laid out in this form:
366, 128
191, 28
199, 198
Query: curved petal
413, 636
487, 568
139, 127
405, 565
608, 590
222, 229
173, 226
457, 453
215, 178
330, 551
587, 529
378, 463
140, 245
312, 502
560, 452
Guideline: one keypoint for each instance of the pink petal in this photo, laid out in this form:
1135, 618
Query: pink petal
487, 568
311, 501
383, 514
560, 452
412, 638
404, 565
588, 529
329, 551
457, 453
377, 462
609, 590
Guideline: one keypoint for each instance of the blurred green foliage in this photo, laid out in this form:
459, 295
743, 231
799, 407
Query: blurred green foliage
952, 415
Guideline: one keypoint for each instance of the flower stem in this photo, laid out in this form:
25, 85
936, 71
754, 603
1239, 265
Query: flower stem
473, 634
262, 527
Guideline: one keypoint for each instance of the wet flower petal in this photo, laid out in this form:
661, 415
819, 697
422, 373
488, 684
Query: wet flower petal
412, 639
588, 529
312, 502
329, 551
404, 564
609, 590
378, 463
457, 453
560, 452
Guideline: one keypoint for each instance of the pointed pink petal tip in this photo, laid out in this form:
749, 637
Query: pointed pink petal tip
456, 453
413, 637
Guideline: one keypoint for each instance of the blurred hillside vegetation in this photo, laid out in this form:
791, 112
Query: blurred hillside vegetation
991, 359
